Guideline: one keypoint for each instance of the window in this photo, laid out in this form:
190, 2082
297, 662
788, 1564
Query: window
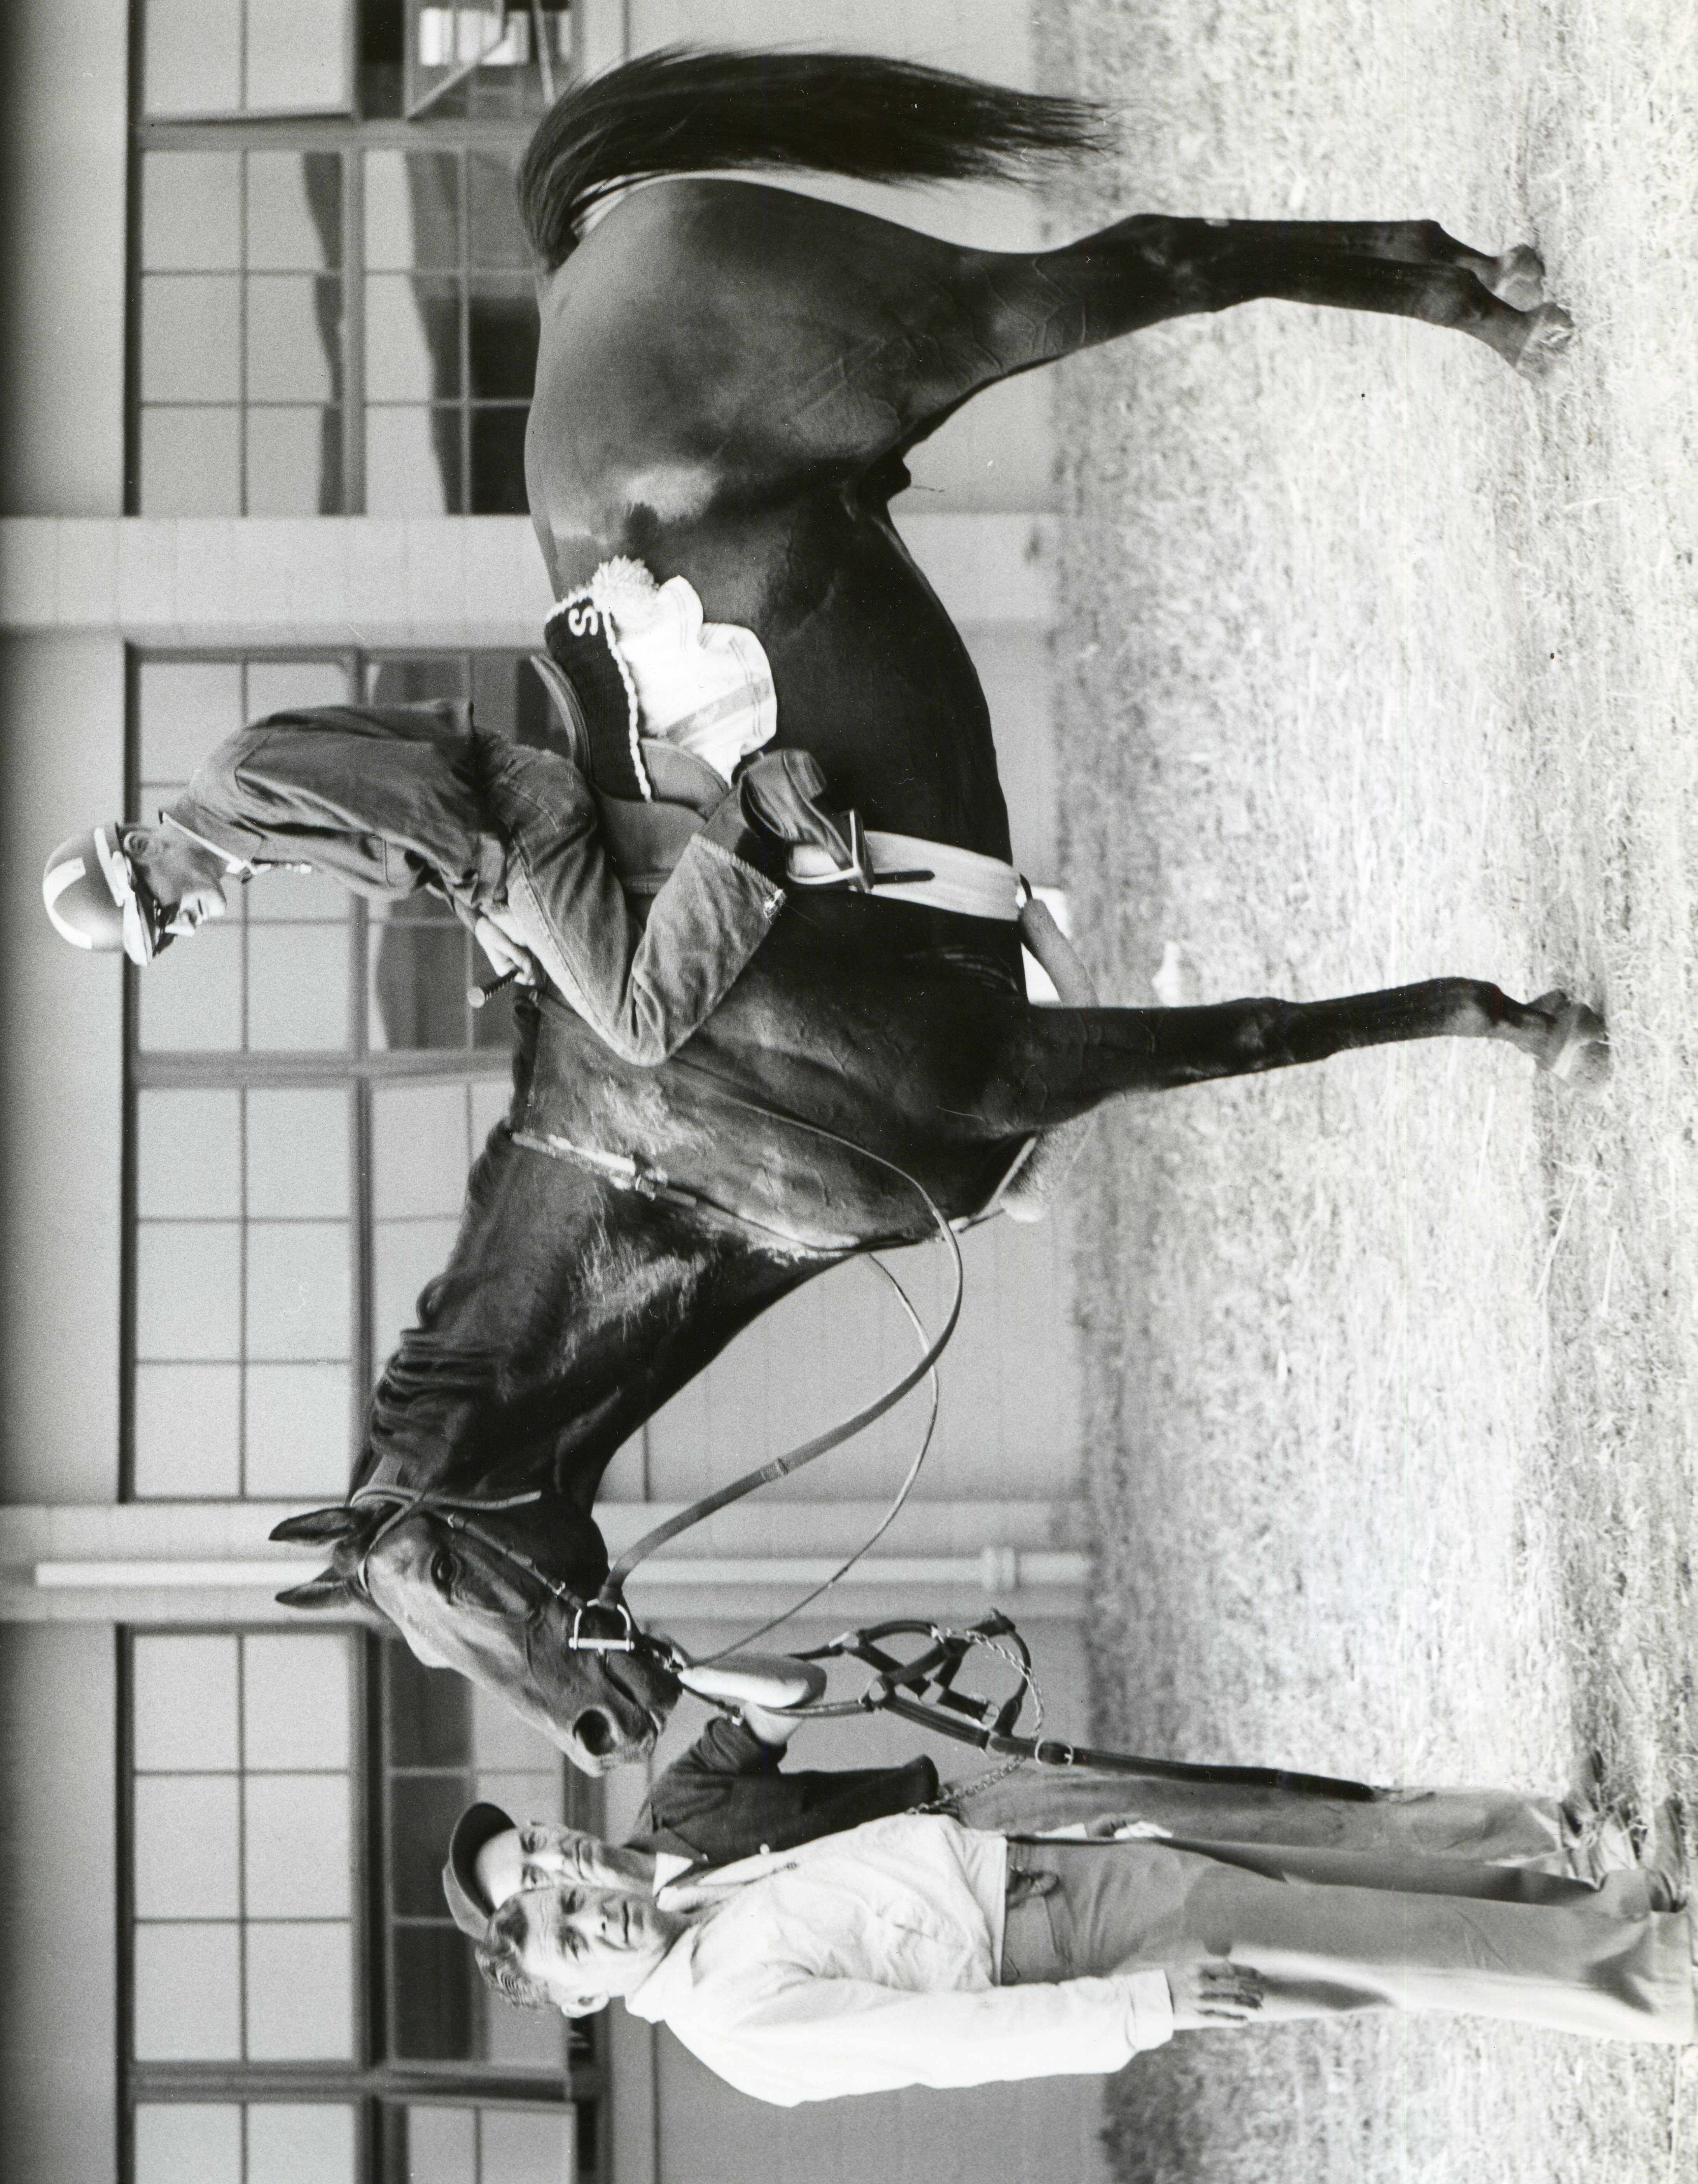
309, 1087
299, 2004
333, 300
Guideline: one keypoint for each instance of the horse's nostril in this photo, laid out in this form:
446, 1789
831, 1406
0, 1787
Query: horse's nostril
596, 1733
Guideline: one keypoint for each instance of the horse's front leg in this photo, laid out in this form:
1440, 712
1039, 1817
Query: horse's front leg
1153, 267
1057, 1063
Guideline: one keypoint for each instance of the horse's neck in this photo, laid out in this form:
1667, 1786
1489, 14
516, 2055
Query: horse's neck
569, 1313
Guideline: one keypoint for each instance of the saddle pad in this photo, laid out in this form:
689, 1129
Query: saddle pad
646, 665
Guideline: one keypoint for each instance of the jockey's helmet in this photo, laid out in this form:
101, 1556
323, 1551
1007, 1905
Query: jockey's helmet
97, 900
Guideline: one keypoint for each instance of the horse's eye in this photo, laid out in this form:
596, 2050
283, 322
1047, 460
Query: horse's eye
441, 1569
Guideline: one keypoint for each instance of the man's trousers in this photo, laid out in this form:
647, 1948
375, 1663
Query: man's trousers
1335, 1932
1488, 1827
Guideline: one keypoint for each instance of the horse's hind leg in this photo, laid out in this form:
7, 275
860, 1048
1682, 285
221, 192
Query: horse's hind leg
1152, 267
1057, 1063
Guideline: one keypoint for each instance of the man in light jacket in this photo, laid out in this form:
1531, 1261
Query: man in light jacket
914, 1951
392, 798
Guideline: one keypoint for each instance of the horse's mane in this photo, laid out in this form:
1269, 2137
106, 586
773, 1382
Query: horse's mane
681, 112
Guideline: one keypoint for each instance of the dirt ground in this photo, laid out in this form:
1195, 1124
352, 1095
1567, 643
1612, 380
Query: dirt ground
1373, 666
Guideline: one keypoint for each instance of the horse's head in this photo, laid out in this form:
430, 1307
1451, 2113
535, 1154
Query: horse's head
463, 1588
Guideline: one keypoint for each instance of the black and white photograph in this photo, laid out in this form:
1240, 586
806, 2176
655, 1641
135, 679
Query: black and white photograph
848, 1135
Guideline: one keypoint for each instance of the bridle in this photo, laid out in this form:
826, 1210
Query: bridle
458, 1513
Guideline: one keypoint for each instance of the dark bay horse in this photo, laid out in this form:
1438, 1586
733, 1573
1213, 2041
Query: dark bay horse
730, 378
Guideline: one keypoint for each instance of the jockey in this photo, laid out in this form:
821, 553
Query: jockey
389, 799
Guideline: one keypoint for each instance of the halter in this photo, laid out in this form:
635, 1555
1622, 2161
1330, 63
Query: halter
451, 1509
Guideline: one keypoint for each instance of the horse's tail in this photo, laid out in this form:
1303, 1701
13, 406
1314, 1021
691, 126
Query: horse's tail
681, 112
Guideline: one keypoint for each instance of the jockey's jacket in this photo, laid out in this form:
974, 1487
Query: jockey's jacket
390, 800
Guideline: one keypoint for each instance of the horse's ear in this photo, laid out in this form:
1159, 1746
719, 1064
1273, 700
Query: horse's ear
319, 1527
330, 1591
329, 1588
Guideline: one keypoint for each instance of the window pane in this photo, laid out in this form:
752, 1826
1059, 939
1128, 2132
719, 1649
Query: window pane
429, 1711
491, 1098
192, 996
298, 1289
191, 323
181, 2140
423, 1810
498, 462
501, 334
186, 708
190, 462
416, 682
294, 462
300, 1431
413, 462
420, 969
497, 239
298, 987
442, 2146
191, 211
188, 1431
431, 2005
528, 1795
289, 685
192, 55
524, 2146
295, 1699
188, 1993
188, 1301
294, 338
188, 1155
296, 1847
300, 1992
412, 210
520, 2039
405, 1256
500, 1739
184, 1702
297, 1154
298, 898
297, 56
419, 1150
186, 1833
412, 339
294, 211
289, 2142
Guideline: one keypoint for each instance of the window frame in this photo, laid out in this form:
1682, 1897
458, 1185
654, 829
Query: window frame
370, 2081
356, 1070
349, 134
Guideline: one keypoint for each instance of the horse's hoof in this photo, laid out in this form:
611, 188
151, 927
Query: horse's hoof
1549, 331
1517, 278
1576, 1046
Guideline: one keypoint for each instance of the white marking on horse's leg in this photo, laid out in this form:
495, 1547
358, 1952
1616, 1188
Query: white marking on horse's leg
1549, 333
1517, 277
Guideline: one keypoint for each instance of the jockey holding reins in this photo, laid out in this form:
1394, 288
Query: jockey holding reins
390, 800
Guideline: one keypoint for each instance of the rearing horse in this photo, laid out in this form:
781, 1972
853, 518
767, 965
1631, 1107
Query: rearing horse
730, 378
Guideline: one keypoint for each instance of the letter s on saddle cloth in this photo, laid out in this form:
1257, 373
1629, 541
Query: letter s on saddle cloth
659, 707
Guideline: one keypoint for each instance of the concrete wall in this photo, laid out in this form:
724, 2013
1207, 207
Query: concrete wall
59, 1906
61, 1083
64, 154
